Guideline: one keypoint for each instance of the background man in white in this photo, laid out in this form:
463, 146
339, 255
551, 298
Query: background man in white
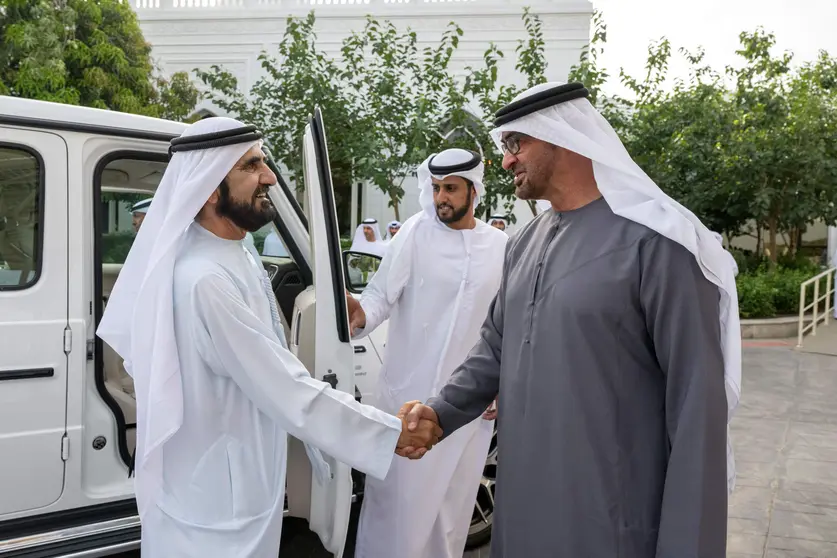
434, 285
392, 229
218, 391
138, 212
368, 239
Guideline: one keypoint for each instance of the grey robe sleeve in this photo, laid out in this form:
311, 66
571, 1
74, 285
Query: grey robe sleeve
682, 317
475, 384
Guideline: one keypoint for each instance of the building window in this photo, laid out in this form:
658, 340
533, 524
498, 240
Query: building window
21, 181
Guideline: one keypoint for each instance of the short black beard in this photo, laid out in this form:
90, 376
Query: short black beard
458, 213
248, 216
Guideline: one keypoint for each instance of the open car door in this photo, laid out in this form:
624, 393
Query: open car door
332, 351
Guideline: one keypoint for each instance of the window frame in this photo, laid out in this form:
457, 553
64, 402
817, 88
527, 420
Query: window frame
39, 260
122, 425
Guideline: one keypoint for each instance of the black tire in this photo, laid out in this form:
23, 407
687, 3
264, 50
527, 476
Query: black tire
482, 520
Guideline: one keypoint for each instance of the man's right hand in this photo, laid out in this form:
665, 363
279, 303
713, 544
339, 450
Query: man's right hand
423, 437
357, 317
415, 414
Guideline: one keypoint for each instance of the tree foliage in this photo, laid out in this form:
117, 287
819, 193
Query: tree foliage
299, 78
388, 104
748, 148
85, 52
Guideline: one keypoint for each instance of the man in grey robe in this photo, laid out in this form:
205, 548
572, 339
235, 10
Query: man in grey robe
610, 340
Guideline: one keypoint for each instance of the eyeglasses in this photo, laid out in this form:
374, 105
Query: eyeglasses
511, 143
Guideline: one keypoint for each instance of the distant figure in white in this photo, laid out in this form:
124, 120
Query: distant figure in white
435, 285
138, 212
218, 391
498, 222
368, 239
392, 229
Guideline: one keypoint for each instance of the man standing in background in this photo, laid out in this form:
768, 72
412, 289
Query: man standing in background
435, 286
138, 212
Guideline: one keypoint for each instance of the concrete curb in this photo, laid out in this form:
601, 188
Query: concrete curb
783, 327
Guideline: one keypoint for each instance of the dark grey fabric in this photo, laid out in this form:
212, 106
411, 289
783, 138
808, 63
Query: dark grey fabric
604, 345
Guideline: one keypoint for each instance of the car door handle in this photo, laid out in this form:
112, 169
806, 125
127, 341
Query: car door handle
360, 349
26, 374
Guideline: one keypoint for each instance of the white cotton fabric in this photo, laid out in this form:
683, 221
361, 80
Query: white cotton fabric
730, 257
577, 126
230, 423
138, 322
360, 244
435, 286
141, 206
224, 469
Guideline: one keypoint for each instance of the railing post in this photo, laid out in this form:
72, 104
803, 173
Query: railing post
801, 314
828, 296
816, 305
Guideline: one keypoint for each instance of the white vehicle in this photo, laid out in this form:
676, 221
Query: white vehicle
68, 177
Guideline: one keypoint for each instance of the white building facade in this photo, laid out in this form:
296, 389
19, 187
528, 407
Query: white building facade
189, 34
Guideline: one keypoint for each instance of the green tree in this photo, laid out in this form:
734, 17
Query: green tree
784, 141
300, 78
85, 52
755, 144
588, 70
403, 99
483, 91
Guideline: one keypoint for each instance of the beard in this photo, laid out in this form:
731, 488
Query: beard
250, 216
531, 185
456, 213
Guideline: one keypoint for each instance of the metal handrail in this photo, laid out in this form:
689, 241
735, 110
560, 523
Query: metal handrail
814, 306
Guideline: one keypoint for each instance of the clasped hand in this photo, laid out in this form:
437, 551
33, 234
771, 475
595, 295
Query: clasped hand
420, 430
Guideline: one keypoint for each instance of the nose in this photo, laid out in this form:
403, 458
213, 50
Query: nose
508, 160
267, 176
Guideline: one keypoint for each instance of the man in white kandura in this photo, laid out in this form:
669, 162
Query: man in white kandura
435, 285
368, 239
193, 315
392, 230
498, 222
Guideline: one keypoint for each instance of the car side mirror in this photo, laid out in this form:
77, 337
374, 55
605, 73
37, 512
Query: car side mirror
359, 268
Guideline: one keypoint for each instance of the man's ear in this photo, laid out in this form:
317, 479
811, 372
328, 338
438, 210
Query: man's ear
214, 197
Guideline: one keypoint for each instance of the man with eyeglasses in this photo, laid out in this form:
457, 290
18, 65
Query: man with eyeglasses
614, 344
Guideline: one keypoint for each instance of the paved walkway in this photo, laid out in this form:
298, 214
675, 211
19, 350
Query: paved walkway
824, 342
785, 439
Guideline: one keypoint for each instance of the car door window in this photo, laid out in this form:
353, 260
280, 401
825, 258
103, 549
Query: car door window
20, 217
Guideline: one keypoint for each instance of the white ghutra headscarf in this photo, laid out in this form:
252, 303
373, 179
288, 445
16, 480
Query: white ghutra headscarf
577, 126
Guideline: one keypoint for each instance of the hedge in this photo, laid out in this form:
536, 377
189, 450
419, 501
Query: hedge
767, 291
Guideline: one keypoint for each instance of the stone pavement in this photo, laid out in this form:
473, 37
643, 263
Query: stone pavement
824, 342
785, 438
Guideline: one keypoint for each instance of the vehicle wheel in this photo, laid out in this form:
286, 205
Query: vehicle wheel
482, 520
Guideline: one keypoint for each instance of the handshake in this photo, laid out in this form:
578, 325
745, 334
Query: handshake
420, 430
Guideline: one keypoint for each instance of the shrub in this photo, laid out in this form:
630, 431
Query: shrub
765, 293
755, 296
